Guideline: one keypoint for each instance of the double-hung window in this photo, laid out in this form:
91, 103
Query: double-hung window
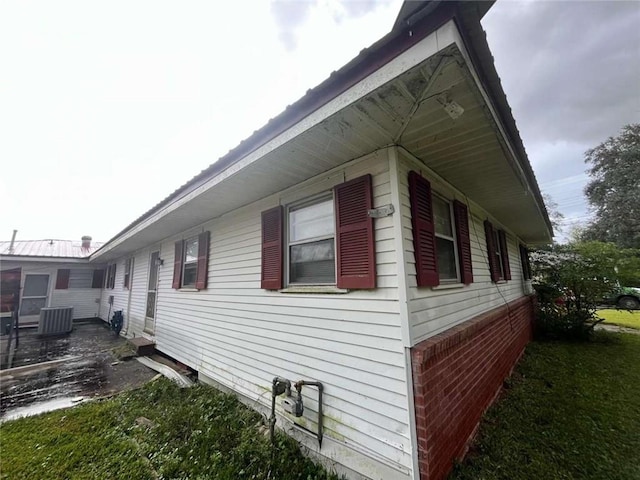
190, 262
127, 272
441, 242
498, 253
110, 281
445, 240
312, 252
324, 240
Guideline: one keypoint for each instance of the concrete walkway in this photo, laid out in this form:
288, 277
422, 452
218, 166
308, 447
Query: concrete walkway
54, 372
617, 328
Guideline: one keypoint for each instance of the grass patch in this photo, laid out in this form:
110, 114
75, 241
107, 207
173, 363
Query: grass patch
623, 318
573, 411
197, 432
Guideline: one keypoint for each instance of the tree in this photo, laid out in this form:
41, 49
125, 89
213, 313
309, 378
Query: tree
555, 216
623, 264
614, 189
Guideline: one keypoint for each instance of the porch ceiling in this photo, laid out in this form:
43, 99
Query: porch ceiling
468, 152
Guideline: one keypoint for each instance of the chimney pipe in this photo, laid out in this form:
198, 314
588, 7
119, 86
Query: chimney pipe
13, 240
86, 242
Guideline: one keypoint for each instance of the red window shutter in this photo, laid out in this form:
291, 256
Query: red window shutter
461, 216
62, 279
177, 265
355, 243
494, 268
272, 245
504, 254
424, 238
98, 278
203, 260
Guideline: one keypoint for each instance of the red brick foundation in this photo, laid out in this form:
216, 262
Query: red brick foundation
457, 375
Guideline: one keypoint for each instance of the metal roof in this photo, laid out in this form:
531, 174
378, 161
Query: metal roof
48, 248
415, 21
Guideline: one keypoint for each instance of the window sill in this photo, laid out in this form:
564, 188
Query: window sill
314, 289
188, 289
448, 286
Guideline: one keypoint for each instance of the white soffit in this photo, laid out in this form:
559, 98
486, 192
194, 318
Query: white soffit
429, 46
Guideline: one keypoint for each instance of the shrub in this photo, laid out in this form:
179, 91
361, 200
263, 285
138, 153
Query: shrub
570, 280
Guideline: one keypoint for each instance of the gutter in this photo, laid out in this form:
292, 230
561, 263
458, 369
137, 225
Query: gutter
45, 259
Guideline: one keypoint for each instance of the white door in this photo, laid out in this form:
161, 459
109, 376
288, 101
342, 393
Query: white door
152, 290
34, 297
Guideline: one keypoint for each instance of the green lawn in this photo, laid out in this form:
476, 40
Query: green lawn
621, 317
572, 412
196, 433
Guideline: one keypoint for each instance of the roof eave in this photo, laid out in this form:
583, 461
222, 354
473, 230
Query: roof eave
42, 258
475, 41
419, 24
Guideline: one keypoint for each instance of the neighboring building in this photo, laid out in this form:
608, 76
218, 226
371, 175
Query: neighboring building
50, 273
371, 237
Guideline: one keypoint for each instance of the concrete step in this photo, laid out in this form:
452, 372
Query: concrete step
143, 346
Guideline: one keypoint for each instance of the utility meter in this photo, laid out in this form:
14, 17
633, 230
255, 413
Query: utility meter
293, 406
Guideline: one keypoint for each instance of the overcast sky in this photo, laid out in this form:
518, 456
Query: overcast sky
107, 107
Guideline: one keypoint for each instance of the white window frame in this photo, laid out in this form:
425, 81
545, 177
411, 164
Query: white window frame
452, 239
307, 202
185, 263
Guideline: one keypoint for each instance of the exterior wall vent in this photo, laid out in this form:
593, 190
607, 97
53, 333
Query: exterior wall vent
55, 320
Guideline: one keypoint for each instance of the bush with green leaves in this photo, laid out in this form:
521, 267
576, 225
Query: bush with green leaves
571, 280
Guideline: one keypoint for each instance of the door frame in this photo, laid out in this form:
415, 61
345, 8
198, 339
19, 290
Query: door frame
151, 329
30, 320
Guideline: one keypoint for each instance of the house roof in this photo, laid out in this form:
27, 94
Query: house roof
48, 248
415, 21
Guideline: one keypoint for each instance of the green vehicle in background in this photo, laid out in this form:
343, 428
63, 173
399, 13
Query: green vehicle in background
625, 298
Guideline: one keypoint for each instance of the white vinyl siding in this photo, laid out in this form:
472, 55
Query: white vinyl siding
242, 336
84, 299
434, 310
79, 295
133, 300
119, 293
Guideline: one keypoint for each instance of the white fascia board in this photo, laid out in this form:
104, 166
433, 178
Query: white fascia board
457, 38
24, 258
408, 59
